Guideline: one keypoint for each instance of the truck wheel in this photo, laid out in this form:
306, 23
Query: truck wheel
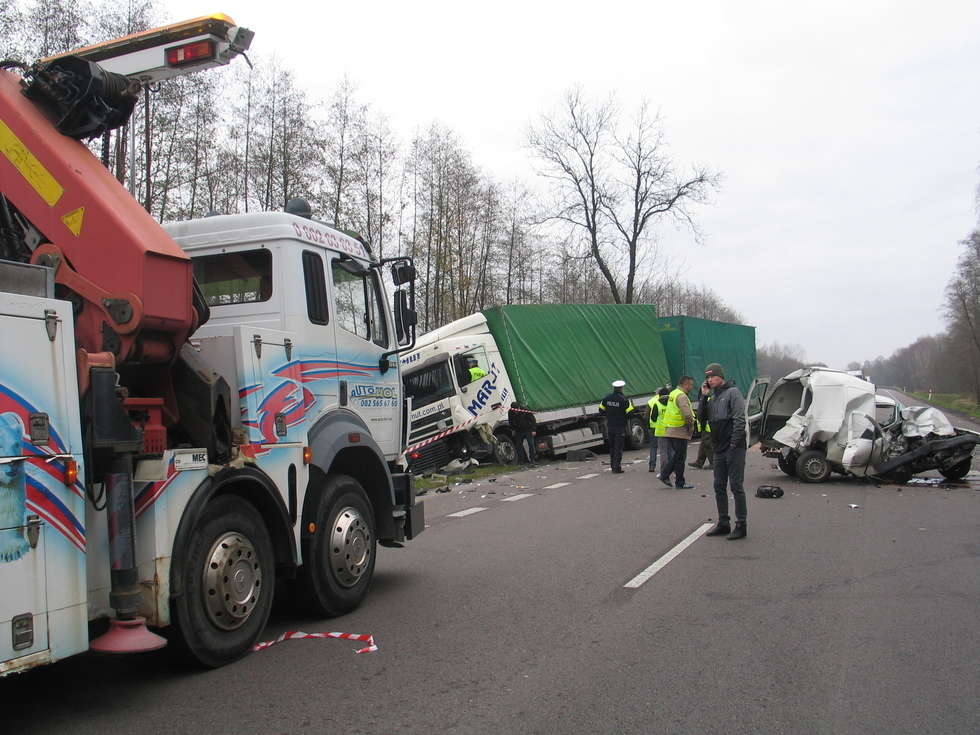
787, 464
958, 471
812, 466
338, 562
636, 433
226, 585
506, 450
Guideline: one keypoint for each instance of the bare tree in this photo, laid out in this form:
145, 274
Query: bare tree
614, 188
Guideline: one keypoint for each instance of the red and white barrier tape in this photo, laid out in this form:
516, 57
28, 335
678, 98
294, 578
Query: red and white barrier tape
431, 439
291, 634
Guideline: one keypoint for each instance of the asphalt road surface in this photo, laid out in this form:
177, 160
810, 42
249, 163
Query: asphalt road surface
850, 608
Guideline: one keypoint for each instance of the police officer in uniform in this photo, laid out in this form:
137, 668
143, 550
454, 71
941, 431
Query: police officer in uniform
615, 407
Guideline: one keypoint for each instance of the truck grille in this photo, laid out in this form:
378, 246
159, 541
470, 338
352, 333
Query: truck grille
429, 426
431, 457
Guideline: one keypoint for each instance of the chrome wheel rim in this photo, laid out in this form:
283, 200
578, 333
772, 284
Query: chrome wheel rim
814, 467
350, 546
232, 581
507, 451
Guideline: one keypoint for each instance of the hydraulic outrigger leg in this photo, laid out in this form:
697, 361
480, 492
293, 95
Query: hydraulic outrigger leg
127, 631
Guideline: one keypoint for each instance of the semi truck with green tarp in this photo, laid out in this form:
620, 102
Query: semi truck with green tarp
558, 360
691, 344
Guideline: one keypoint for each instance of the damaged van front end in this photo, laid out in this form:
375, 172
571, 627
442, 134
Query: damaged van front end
817, 421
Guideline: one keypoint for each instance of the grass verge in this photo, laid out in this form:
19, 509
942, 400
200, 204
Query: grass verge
954, 402
432, 481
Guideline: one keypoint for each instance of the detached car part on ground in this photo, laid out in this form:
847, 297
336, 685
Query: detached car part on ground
816, 421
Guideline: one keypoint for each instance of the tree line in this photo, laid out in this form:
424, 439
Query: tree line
948, 362
244, 139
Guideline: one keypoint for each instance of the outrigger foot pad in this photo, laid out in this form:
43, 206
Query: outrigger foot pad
128, 636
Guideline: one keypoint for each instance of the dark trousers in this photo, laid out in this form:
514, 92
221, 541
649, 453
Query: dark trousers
525, 447
705, 450
654, 443
676, 458
616, 441
729, 470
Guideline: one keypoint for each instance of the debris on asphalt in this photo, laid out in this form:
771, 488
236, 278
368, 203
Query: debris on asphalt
932, 482
421, 492
769, 491
521, 487
444, 489
852, 506
492, 479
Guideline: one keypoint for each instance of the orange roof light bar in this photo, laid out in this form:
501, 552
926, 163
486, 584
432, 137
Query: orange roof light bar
146, 55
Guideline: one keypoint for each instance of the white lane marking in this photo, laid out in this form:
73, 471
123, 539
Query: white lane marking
587, 477
467, 512
516, 497
556, 485
664, 560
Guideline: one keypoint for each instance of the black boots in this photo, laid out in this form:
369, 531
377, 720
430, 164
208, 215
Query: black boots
738, 532
721, 528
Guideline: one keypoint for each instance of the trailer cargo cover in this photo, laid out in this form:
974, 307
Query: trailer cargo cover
561, 355
691, 344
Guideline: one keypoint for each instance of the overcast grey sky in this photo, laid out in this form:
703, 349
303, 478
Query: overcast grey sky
848, 133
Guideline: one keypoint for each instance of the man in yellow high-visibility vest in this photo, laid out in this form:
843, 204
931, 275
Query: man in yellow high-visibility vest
679, 420
656, 407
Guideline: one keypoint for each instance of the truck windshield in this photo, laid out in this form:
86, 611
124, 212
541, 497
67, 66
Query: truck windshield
429, 384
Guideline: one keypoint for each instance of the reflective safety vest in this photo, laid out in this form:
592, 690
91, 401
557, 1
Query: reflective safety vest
657, 424
674, 417
660, 427
476, 373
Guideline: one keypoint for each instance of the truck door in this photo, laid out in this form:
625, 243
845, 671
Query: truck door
755, 404
363, 334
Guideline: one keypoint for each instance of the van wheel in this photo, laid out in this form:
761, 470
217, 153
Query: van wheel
226, 584
787, 464
636, 433
338, 559
506, 451
812, 466
958, 471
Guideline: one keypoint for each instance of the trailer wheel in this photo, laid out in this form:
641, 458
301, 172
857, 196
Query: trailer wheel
506, 450
636, 432
226, 584
958, 471
338, 562
787, 464
812, 466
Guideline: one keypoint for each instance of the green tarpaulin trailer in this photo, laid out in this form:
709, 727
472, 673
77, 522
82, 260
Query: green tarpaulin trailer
562, 355
692, 343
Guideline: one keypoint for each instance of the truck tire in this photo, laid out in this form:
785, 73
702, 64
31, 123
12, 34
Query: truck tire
636, 432
812, 466
506, 450
787, 464
958, 471
226, 585
338, 562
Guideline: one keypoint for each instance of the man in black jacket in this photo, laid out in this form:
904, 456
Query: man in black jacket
726, 414
614, 407
522, 421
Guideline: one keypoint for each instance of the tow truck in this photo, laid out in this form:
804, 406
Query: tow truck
194, 415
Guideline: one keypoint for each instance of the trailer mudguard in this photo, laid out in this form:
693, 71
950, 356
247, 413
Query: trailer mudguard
253, 485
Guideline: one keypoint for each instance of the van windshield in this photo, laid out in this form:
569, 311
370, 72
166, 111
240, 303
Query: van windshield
429, 384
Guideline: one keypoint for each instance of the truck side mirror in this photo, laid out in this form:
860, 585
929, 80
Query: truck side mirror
405, 317
402, 273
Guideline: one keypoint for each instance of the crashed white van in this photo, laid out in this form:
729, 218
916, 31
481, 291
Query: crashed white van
816, 421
